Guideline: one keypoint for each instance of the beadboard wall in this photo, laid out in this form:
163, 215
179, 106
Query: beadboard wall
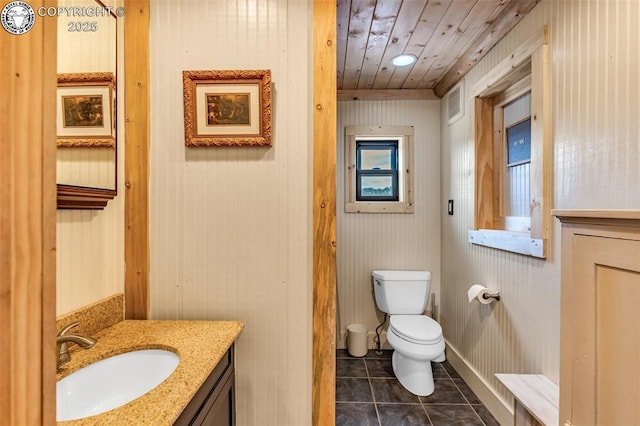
369, 241
596, 164
90, 243
230, 228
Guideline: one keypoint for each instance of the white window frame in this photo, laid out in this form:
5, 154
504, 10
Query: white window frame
404, 136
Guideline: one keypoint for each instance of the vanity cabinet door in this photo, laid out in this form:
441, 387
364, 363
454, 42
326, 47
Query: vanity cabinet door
221, 407
214, 403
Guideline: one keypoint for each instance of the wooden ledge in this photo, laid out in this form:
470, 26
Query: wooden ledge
515, 242
536, 393
592, 216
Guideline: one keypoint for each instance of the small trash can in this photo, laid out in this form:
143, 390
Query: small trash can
357, 339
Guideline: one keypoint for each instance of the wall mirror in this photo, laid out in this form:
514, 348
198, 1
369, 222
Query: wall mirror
86, 105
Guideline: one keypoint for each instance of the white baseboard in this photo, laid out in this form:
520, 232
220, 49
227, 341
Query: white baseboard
499, 408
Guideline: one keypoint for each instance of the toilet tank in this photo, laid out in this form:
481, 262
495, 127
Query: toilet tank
401, 292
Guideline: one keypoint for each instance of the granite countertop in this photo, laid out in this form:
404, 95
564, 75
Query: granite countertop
199, 344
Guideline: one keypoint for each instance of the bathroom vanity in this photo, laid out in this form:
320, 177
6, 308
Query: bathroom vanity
200, 391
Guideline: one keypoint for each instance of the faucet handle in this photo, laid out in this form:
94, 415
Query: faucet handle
68, 327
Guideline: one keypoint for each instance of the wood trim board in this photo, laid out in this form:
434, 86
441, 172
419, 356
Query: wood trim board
136, 167
324, 212
28, 224
387, 95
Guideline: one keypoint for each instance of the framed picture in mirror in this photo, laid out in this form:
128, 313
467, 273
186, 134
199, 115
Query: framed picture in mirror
85, 110
519, 143
227, 108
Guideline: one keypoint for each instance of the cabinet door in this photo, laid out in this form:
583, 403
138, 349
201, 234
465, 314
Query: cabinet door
604, 334
222, 412
214, 403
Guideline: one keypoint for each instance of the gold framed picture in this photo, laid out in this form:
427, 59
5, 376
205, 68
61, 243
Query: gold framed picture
227, 108
85, 110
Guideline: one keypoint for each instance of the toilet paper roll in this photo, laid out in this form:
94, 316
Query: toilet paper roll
478, 291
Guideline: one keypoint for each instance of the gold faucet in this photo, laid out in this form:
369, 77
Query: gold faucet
63, 338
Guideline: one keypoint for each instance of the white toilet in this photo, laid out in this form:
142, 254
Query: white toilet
416, 339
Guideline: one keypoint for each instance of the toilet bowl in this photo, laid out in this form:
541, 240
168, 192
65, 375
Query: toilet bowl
416, 339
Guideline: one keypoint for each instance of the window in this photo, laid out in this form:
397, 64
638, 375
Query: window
377, 171
512, 152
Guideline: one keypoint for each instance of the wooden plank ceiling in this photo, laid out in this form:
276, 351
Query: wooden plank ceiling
447, 36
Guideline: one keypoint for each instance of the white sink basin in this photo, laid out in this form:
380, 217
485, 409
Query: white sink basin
112, 382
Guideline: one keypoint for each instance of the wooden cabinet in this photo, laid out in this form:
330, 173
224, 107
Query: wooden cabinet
600, 316
214, 403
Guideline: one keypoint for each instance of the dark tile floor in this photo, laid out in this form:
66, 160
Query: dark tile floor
368, 394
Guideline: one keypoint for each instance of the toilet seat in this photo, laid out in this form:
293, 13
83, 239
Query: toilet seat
418, 329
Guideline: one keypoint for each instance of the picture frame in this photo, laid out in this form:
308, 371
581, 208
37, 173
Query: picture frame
519, 142
85, 110
227, 108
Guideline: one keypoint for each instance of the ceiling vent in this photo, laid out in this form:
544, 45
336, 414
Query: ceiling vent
454, 103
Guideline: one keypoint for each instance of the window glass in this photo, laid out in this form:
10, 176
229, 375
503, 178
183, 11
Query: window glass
371, 157
376, 186
377, 170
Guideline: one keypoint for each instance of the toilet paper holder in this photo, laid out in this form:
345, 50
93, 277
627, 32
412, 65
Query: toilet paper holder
487, 296
483, 294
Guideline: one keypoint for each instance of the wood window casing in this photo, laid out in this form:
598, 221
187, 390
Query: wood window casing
404, 136
505, 82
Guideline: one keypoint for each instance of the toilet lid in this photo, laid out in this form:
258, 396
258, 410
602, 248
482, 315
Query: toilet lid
416, 328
